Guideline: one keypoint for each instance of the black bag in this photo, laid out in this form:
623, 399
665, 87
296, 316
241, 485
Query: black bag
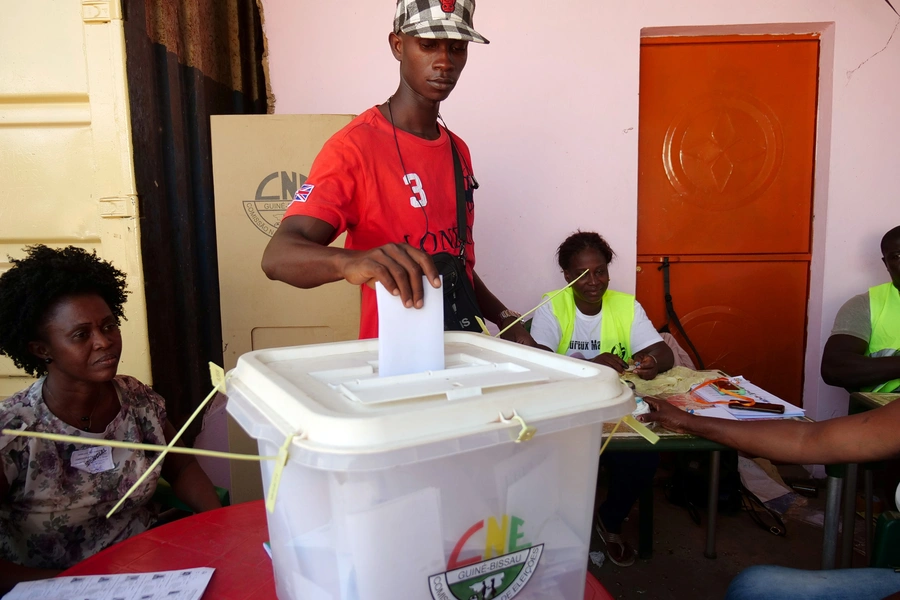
460, 305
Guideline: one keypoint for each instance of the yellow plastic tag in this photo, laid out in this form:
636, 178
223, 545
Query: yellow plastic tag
527, 431
217, 376
280, 463
484, 328
642, 429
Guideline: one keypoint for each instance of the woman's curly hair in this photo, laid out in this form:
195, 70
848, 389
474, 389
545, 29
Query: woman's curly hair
37, 282
582, 240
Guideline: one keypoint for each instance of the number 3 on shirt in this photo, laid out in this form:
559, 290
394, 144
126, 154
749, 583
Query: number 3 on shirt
415, 184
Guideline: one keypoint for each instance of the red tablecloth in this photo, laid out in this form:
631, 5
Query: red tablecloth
229, 539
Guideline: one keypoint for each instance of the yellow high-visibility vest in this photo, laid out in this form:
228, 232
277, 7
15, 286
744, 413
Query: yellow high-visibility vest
615, 326
884, 308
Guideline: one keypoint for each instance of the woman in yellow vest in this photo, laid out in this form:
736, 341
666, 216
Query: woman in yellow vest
592, 322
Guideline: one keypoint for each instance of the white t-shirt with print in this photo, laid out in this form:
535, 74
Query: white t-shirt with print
585, 341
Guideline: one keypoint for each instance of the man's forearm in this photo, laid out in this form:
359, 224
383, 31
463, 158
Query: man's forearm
858, 438
777, 440
299, 254
490, 305
303, 264
853, 371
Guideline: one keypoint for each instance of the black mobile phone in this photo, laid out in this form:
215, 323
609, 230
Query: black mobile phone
759, 406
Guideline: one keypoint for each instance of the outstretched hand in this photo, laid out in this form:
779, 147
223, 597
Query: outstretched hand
670, 417
399, 268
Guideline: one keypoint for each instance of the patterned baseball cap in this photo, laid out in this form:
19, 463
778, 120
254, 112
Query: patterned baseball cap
437, 19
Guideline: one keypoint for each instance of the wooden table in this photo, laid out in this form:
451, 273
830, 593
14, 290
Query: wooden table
870, 400
229, 539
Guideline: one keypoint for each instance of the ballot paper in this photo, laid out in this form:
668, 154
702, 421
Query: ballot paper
710, 394
407, 531
410, 340
187, 584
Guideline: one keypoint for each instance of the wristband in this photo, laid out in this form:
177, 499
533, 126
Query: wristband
506, 313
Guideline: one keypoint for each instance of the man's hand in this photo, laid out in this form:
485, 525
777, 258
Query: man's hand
645, 365
399, 268
611, 360
299, 254
518, 334
670, 417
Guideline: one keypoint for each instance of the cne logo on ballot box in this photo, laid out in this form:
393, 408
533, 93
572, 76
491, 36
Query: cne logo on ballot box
500, 573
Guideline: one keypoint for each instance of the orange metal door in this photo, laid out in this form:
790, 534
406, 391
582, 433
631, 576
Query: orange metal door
726, 158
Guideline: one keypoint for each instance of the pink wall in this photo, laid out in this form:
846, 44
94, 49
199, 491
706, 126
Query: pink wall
550, 111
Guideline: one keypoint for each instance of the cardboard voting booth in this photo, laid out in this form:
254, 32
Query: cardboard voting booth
259, 161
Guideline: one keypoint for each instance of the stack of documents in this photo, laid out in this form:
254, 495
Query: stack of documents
723, 411
188, 584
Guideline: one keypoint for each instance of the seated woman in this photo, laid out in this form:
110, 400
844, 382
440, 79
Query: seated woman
592, 322
60, 313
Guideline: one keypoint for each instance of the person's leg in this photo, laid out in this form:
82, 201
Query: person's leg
782, 583
629, 474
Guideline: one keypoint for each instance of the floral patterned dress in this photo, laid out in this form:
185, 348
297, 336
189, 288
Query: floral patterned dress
55, 514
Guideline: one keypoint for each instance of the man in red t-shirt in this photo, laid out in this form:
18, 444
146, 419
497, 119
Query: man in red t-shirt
387, 178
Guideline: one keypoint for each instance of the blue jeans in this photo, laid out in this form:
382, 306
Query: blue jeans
775, 583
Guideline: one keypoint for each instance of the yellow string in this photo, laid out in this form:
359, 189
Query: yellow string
74, 439
611, 433
217, 376
558, 292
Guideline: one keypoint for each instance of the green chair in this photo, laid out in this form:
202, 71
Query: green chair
886, 548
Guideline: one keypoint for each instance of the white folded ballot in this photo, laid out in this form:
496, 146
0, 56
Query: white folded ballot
711, 394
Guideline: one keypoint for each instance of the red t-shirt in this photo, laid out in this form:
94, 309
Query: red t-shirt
357, 184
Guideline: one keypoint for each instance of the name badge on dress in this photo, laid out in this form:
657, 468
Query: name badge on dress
95, 459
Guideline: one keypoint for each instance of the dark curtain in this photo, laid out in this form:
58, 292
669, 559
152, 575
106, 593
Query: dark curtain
186, 60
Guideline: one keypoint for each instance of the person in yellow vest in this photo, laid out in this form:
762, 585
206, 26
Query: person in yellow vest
592, 322
863, 352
